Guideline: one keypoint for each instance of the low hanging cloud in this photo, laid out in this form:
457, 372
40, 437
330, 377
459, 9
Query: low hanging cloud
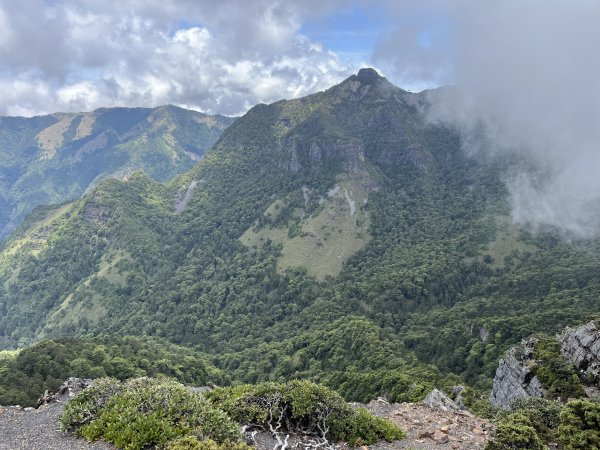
218, 57
526, 76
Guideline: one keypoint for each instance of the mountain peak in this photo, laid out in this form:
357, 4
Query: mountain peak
369, 79
368, 75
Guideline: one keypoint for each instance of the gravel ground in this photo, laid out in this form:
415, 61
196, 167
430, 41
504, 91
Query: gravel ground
432, 428
38, 430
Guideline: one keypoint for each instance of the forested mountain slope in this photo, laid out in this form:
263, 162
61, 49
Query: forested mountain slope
55, 158
339, 237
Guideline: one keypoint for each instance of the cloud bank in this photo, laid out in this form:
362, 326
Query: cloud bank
212, 56
527, 81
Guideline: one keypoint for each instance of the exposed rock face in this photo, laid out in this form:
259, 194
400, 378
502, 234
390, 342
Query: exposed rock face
581, 347
96, 213
68, 389
514, 378
296, 154
437, 399
181, 203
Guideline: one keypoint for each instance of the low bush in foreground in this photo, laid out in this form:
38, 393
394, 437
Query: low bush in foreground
530, 423
147, 412
144, 412
543, 414
514, 432
580, 425
306, 407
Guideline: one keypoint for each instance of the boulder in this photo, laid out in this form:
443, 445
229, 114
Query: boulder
440, 437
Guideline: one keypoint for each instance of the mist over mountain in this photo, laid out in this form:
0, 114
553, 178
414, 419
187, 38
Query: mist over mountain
524, 77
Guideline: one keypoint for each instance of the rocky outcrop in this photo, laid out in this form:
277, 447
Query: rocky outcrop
581, 347
458, 396
437, 399
514, 377
96, 213
67, 390
368, 76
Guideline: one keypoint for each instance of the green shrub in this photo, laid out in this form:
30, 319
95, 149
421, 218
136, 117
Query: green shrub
191, 442
544, 414
514, 432
556, 375
145, 412
580, 425
306, 407
84, 408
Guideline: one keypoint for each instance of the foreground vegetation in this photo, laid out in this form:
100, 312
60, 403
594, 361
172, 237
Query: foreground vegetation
147, 412
533, 423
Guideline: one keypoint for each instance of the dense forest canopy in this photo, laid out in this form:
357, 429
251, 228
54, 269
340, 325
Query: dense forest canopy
339, 237
58, 157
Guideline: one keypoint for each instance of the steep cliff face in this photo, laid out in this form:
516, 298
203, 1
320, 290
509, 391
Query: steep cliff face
579, 354
581, 347
515, 378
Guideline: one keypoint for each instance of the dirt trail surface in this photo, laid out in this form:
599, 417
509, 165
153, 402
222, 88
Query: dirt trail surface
38, 430
429, 427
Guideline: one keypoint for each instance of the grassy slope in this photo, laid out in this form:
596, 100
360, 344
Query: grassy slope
324, 240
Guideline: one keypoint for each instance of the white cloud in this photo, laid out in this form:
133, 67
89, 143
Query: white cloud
213, 56
195, 37
78, 96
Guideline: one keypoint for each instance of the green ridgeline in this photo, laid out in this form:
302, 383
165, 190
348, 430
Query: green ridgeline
438, 286
58, 157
